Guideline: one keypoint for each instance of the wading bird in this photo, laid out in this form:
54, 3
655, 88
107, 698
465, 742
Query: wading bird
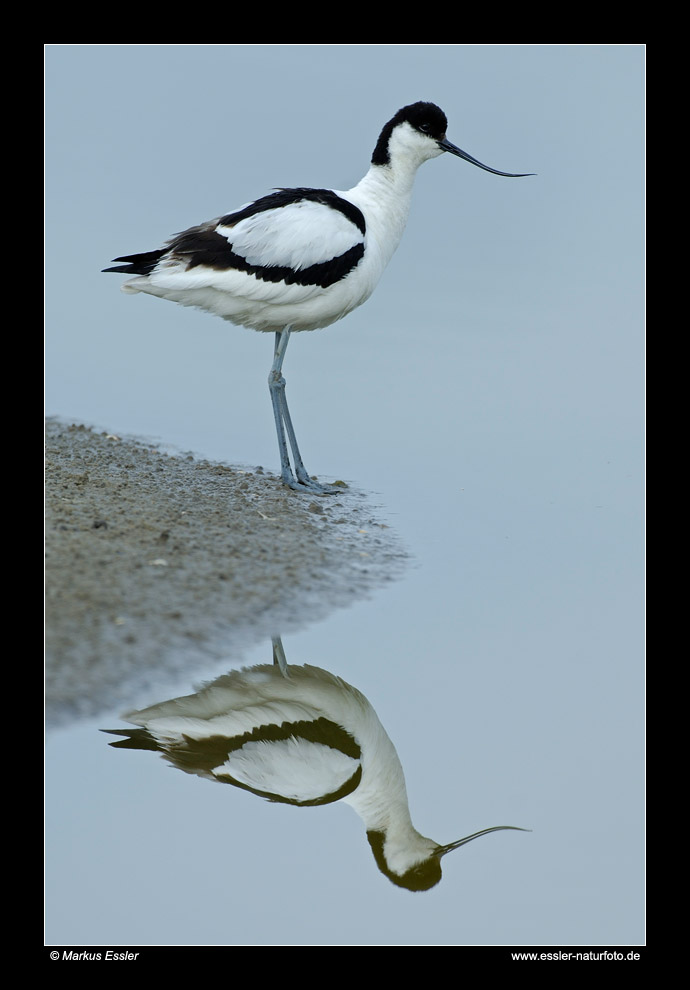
299, 259
298, 735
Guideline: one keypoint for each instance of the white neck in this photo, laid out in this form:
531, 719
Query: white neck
381, 801
384, 197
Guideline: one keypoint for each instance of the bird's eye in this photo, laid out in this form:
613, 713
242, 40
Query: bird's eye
425, 127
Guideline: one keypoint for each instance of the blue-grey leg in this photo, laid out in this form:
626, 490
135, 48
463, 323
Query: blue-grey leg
281, 414
276, 385
279, 655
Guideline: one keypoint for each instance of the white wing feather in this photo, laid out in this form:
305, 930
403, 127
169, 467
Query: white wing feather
295, 236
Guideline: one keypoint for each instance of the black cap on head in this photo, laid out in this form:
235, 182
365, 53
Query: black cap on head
424, 117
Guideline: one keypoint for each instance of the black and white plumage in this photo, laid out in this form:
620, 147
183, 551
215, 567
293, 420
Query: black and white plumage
299, 259
297, 735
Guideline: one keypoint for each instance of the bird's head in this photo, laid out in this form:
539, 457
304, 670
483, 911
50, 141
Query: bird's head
417, 865
419, 131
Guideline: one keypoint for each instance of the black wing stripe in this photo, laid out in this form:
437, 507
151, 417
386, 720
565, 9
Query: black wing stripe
347, 788
212, 250
214, 750
285, 197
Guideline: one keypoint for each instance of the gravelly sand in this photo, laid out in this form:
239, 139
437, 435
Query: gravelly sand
160, 563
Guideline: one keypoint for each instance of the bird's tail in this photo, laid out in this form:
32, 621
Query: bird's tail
134, 739
138, 264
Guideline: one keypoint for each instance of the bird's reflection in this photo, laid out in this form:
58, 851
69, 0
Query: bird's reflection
299, 735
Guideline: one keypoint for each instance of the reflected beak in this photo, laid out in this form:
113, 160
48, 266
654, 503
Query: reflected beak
447, 146
485, 831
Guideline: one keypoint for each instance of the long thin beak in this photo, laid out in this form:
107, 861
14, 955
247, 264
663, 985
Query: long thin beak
447, 146
475, 835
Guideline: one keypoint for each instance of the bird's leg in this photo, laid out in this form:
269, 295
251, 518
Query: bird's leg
276, 385
281, 413
280, 348
279, 655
